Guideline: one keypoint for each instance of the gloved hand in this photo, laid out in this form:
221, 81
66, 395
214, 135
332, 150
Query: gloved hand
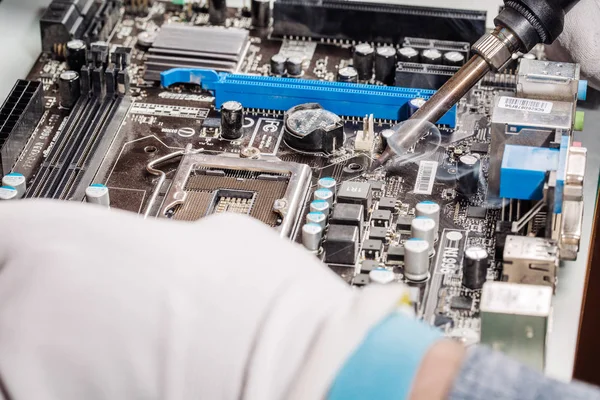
580, 40
99, 304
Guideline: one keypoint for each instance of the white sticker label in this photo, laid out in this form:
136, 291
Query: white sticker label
536, 106
425, 177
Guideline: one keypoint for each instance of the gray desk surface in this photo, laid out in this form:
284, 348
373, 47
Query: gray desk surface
20, 44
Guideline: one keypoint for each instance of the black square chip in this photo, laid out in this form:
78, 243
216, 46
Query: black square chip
355, 193
341, 244
372, 248
461, 303
476, 212
387, 203
382, 218
377, 232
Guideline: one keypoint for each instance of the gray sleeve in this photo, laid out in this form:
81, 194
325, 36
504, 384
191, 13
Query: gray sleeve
487, 374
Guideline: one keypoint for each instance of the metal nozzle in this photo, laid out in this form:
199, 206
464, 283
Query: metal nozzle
493, 51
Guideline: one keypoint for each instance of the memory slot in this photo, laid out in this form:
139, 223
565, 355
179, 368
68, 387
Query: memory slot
274, 93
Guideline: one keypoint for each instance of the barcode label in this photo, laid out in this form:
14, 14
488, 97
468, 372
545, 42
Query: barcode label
537, 106
425, 177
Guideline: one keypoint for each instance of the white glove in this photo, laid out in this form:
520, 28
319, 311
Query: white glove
98, 304
580, 40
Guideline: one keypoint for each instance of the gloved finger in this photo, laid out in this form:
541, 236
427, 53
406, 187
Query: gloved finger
580, 40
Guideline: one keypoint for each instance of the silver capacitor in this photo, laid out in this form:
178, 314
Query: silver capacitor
324, 194
97, 193
17, 181
327, 183
8, 193
429, 209
424, 228
416, 259
320, 206
318, 218
311, 236
382, 276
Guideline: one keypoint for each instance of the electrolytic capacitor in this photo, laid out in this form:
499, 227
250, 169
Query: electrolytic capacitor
261, 13
68, 88
318, 218
415, 104
324, 194
319, 206
468, 174
408, 54
311, 236
327, 183
363, 61
385, 64
97, 193
347, 75
76, 54
454, 58
8, 193
385, 135
382, 276
217, 12
424, 228
429, 209
475, 266
278, 64
431, 56
293, 65
232, 120
416, 259
17, 181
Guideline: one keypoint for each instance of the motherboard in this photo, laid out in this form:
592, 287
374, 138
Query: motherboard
181, 109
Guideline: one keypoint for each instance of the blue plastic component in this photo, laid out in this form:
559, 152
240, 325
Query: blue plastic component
523, 171
582, 90
561, 174
273, 93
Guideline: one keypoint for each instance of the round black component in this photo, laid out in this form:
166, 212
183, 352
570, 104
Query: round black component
310, 128
385, 64
475, 266
414, 105
347, 75
232, 119
76, 54
468, 174
454, 58
293, 65
363, 61
217, 12
261, 13
408, 54
278, 64
68, 88
431, 56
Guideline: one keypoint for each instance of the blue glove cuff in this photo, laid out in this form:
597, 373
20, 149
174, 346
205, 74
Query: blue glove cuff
384, 366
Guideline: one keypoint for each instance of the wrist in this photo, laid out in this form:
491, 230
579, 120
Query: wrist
438, 370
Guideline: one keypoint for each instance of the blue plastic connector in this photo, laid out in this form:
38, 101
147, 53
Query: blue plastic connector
582, 90
274, 93
561, 174
523, 171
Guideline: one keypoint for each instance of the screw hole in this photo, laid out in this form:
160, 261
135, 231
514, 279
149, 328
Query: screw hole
354, 167
150, 149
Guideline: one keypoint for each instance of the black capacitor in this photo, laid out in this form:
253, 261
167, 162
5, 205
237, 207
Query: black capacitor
385, 64
454, 58
431, 56
278, 64
363, 61
293, 65
261, 13
347, 75
68, 88
76, 54
232, 119
408, 54
468, 174
475, 266
217, 12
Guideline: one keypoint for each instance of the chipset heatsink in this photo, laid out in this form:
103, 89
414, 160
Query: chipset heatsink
271, 191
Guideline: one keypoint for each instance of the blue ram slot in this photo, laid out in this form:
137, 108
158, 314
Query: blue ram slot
271, 93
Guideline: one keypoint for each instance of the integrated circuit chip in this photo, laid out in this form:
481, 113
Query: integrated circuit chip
461, 303
476, 212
